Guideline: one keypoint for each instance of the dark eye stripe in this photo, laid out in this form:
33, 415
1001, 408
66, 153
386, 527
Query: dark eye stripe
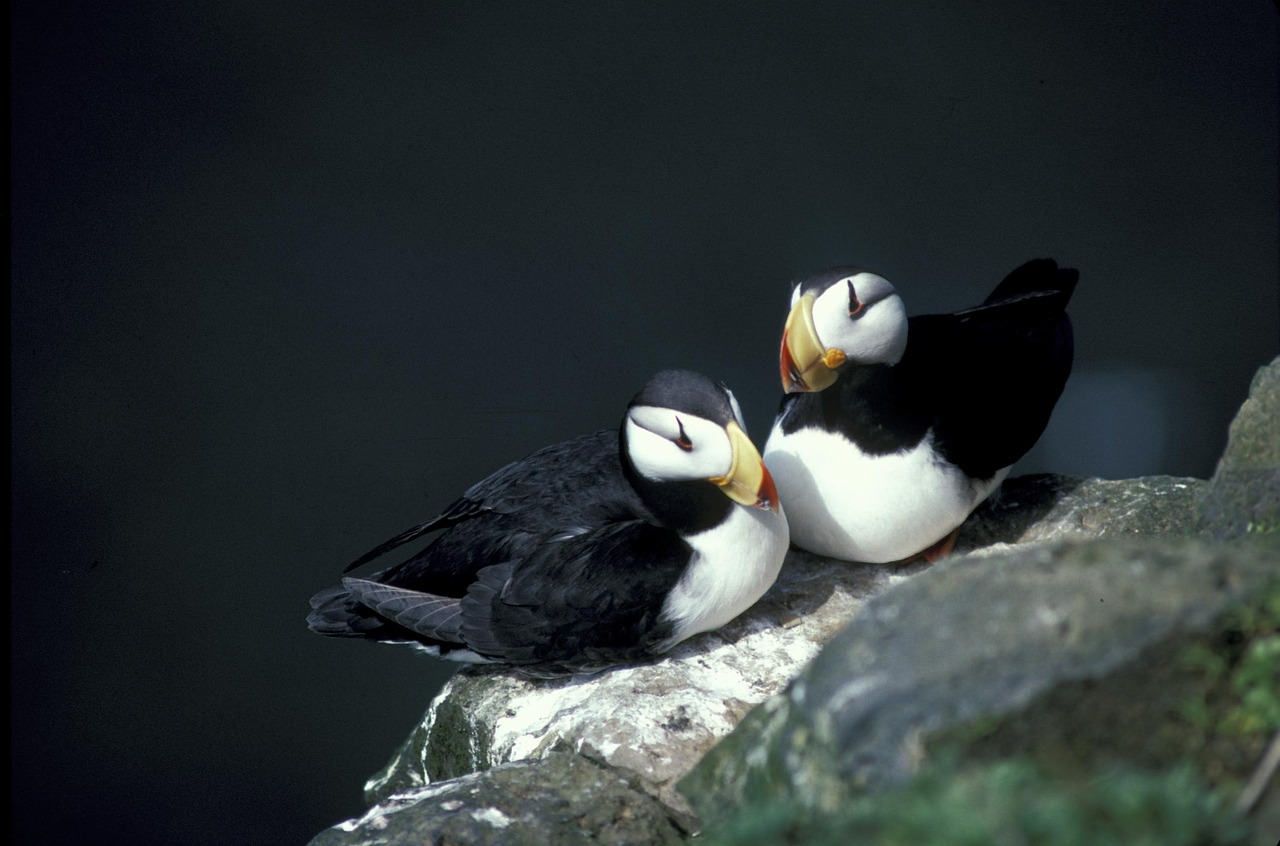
683, 441
855, 305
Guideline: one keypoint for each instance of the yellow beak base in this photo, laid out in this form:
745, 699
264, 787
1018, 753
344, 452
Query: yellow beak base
805, 364
748, 481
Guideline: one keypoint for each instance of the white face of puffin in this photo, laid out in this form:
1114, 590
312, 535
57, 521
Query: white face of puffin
666, 445
858, 318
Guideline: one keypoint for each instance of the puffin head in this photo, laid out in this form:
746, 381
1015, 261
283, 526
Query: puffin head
841, 315
682, 427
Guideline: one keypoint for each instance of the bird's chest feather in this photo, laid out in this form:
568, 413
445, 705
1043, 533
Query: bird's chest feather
731, 567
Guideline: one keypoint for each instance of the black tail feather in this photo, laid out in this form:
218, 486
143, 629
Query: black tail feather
399, 540
435, 618
1035, 276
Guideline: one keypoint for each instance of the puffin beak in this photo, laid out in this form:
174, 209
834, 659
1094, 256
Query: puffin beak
806, 365
748, 481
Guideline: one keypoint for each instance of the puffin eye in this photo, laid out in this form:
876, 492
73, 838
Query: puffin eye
683, 440
856, 306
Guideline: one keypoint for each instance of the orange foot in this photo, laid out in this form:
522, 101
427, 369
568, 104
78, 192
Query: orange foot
941, 549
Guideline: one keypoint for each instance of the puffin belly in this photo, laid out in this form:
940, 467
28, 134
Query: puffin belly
844, 503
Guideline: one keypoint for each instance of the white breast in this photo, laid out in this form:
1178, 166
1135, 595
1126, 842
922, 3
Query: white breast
733, 565
846, 504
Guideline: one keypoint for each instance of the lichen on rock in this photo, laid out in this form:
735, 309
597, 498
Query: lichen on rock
655, 719
1243, 497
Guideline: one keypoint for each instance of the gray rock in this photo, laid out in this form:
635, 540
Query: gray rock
971, 637
658, 719
1039, 508
1244, 495
561, 799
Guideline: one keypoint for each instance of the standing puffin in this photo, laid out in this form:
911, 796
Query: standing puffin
602, 550
892, 429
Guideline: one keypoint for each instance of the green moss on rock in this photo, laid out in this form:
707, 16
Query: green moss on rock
1209, 698
1004, 802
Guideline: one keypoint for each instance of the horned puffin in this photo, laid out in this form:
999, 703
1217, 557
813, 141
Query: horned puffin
598, 551
893, 430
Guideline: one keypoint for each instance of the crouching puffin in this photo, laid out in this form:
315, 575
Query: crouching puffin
893, 430
602, 550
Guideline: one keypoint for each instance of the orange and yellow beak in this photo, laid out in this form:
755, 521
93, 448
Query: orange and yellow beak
748, 481
806, 365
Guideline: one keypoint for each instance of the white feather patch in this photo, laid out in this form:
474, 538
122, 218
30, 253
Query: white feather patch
462, 656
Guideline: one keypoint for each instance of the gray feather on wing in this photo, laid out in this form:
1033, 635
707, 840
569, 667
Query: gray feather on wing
436, 617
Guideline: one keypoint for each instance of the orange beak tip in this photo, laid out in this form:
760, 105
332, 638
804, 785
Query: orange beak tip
767, 496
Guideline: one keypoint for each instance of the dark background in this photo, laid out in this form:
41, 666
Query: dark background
286, 278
